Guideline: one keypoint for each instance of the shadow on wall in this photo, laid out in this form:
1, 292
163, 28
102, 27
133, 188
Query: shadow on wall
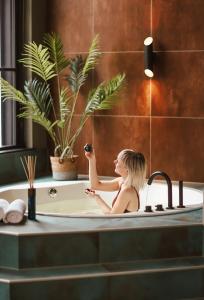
11, 168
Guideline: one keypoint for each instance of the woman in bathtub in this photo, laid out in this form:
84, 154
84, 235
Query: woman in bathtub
131, 167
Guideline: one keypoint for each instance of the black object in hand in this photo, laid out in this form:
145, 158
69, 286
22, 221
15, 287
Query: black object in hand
89, 191
88, 148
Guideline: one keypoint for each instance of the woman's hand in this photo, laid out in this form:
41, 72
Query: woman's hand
91, 193
90, 155
105, 208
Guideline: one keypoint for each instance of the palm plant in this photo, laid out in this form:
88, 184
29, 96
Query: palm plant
55, 112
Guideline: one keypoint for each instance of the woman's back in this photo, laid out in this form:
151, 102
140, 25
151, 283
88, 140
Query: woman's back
130, 194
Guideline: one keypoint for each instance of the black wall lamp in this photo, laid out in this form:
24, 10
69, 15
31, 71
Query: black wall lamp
148, 57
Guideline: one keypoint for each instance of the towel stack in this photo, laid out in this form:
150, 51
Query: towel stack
12, 212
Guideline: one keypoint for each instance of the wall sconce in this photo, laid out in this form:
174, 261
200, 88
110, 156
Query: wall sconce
148, 57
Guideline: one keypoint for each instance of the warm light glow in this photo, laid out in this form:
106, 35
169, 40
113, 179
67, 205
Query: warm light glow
143, 94
148, 41
158, 95
148, 73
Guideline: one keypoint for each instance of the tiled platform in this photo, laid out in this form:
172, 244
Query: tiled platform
162, 279
103, 259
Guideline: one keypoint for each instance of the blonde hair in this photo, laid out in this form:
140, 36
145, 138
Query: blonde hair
136, 167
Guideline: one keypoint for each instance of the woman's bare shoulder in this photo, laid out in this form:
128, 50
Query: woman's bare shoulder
128, 190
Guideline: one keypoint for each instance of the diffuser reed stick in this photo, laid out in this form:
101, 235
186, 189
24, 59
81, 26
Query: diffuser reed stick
29, 165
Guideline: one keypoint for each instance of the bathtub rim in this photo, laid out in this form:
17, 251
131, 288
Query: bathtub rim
54, 183
126, 215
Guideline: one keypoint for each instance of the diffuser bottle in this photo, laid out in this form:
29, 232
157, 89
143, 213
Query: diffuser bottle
31, 204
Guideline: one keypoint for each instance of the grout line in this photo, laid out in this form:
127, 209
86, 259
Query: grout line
92, 77
119, 116
150, 130
174, 117
142, 116
184, 50
93, 19
151, 17
93, 130
150, 101
137, 51
105, 52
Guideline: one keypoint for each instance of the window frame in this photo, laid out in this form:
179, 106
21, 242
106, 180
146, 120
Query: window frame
12, 128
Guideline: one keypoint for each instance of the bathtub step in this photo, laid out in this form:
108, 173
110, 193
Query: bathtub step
153, 279
78, 248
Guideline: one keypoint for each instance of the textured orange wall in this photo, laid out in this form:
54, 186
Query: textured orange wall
164, 117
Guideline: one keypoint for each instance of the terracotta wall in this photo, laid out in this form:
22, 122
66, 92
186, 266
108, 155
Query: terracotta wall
164, 117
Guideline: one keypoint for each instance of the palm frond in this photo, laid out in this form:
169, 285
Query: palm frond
32, 111
30, 108
94, 100
11, 93
63, 106
39, 93
80, 67
76, 77
104, 96
37, 59
93, 56
54, 44
110, 92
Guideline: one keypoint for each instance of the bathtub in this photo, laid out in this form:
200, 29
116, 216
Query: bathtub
68, 199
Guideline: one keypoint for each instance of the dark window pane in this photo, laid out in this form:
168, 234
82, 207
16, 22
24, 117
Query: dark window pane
7, 33
7, 71
8, 115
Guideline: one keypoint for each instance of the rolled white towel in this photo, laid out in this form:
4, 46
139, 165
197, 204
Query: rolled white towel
15, 212
3, 207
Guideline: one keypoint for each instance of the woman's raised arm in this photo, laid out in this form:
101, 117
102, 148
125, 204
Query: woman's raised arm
96, 184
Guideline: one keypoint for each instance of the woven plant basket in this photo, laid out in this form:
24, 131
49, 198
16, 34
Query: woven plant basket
65, 169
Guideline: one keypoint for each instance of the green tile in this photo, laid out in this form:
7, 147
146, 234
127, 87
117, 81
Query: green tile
162, 285
9, 251
150, 243
79, 289
58, 249
4, 291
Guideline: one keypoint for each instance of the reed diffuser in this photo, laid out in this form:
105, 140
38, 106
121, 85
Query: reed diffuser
29, 164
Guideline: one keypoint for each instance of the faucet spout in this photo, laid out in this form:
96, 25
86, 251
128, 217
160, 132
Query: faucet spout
169, 184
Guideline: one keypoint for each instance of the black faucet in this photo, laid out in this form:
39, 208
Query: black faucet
181, 195
169, 184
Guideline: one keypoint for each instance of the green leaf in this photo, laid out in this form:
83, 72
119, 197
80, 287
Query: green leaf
64, 108
80, 68
39, 93
9, 92
76, 77
94, 99
105, 95
37, 59
93, 56
32, 111
110, 91
54, 44
29, 108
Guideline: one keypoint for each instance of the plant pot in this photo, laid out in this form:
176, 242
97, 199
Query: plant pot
65, 169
